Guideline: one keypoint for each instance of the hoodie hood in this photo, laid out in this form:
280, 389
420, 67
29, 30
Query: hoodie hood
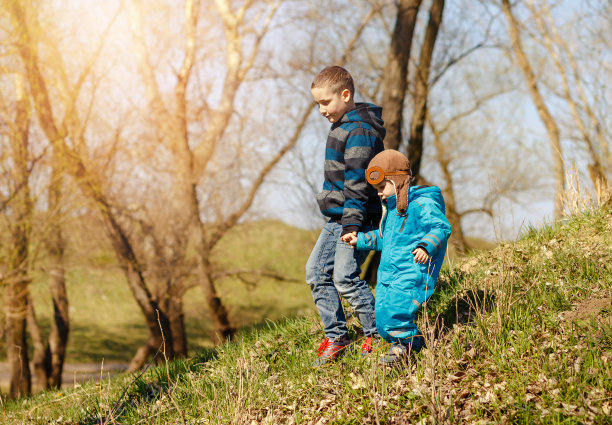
366, 113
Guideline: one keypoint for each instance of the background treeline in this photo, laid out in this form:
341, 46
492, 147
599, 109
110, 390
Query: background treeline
157, 129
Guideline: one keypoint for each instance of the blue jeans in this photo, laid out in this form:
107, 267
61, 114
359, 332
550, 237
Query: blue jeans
332, 270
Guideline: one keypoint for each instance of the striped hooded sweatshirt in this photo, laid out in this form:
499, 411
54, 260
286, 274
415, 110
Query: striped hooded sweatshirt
352, 142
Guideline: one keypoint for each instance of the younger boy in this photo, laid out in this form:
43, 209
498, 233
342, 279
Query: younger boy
412, 237
333, 269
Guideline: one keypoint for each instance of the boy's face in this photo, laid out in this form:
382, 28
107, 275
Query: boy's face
332, 105
385, 189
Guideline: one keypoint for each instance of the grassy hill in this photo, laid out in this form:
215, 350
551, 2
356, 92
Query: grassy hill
519, 334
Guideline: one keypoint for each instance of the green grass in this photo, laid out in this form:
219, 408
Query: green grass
519, 334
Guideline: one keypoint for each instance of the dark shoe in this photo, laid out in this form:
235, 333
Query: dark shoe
330, 350
397, 354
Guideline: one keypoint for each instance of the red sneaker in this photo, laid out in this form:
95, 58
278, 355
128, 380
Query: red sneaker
370, 342
330, 350
366, 348
323, 346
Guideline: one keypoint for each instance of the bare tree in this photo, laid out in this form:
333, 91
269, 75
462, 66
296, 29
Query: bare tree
538, 100
43, 358
396, 71
191, 163
87, 179
553, 42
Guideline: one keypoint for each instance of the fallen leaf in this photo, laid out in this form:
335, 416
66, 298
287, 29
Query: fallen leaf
357, 382
569, 407
529, 397
324, 403
456, 377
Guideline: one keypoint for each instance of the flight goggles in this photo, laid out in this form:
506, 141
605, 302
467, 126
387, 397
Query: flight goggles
375, 175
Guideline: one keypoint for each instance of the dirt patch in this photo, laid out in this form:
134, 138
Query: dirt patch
593, 308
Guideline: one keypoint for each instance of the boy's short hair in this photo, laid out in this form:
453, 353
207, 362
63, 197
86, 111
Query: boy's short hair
336, 78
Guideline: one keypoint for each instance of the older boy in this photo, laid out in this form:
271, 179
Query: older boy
333, 269
412, 237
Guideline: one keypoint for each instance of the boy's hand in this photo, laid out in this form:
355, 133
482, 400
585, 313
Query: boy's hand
350, 238
420, 256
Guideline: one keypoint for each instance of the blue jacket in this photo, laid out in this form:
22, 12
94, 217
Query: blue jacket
352, 142
403, 285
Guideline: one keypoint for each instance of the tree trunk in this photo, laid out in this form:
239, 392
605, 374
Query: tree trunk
457, 238
156, 319
16, 342
221, 320
165, 342
17, 296
38, 357
396, 71
421, 87
60, 326
545, 116
176, 316
141, 355
17, 300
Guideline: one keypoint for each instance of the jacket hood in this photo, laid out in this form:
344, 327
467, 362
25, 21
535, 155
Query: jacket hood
432, 192
414, 194
366, 113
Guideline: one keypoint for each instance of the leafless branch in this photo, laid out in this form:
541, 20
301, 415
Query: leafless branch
240, 273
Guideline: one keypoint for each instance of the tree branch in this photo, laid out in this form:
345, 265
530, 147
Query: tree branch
253, 272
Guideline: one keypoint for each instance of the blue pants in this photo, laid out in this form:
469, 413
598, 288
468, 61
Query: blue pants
332, 271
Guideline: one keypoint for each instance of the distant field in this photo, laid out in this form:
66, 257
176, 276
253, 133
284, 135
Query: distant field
106, 323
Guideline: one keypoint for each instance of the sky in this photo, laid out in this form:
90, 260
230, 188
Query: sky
507, 120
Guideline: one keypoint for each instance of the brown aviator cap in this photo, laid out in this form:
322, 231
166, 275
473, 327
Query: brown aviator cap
392, 165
